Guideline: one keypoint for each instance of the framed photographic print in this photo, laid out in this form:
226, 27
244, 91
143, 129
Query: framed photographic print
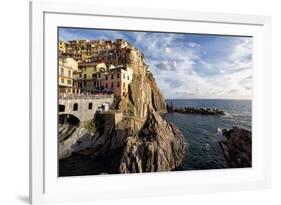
127, 103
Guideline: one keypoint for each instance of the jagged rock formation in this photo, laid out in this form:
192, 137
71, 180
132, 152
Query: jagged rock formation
158, 146
149, 142
237, 147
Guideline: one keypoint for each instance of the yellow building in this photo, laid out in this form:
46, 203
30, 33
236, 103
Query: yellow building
86, 75
62, 47
66, 68
89, 69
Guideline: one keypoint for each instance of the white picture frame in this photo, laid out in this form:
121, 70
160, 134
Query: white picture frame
46, 187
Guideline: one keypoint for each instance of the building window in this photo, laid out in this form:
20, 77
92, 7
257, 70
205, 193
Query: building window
106, 85
128, 77
75, 107
85, 76
90, 106
118, 84
61, 108
124, 76
85, 83
99, 75
118, 75
112, 85
80, 75
61, 71
69, 82
62, 80
69, 73
123, 85
112, 76
106, 77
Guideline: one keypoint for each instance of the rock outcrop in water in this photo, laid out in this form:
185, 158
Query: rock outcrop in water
237, 147
194, 110
148, 142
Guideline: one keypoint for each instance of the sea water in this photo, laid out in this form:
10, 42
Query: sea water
203, 132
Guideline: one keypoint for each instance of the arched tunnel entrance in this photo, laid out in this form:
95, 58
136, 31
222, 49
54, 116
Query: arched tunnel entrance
69, 119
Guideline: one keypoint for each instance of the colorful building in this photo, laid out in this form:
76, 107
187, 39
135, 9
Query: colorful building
116, 80
66, 68
85, 76
62, 47
102, 66
95, 51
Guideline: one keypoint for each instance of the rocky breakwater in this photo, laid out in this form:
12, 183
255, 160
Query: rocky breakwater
148, 143
237, 147
194, 110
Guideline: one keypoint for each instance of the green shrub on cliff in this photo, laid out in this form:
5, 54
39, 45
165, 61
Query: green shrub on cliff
96, 124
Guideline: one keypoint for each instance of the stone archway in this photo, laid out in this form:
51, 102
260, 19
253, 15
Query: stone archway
69, 119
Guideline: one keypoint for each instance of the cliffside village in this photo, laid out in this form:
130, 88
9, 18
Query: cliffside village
95, 67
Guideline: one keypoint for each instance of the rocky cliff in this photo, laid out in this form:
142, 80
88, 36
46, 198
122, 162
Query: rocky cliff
157, 146
153, 144
237, 147
148, 142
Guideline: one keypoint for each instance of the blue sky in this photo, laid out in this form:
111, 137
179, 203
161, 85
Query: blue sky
188, 65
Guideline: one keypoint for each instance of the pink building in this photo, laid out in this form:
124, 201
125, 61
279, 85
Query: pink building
116, 80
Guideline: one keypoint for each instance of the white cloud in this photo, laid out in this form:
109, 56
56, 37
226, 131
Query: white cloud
193, 44
242, 49
181, 79
167, 50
